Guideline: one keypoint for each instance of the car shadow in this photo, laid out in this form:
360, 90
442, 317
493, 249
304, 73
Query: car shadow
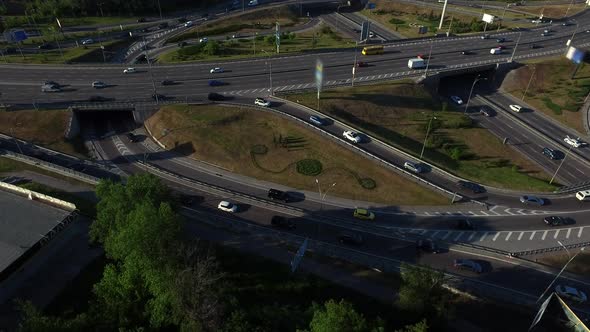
242, 207
295, 196
485, 265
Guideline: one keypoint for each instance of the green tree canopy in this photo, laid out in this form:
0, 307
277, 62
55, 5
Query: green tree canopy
337, 317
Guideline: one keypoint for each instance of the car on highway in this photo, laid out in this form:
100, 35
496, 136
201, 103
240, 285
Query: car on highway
427, 245
583, 195
413, 167
371, 34
532, 200
575, 142
571, 293
554, 220
203, 40
216, 83
45, 46
316, 120
566, 23
457, 100
362, 64
182, 44
363, 214
163, 25
279, 195
188, 24
215, 96
99, 84
464, 224
545, 33
129, 70
227, 206
50, 88
167, 82
157, 96
132, 137
487, 111
98, 99
141, 20
501, 47
534, 46
352, 136
516, 108
536, 21
465, 52
216, 70
52, 83
500, 40
467, 264
474, 187
552, 154
261, 102
486, 36
282, 222
88, 41
350, 239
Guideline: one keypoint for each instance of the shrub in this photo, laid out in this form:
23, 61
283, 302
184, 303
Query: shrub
309, 167
368, 183
396, 21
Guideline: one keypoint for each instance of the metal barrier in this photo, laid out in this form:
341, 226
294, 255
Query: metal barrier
552, 249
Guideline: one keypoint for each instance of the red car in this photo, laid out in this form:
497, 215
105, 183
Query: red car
362, 64
501, 47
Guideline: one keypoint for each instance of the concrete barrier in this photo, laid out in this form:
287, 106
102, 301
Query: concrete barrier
33, 195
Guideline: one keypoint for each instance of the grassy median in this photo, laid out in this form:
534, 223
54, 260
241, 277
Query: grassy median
265, 146
552, 89
400, 113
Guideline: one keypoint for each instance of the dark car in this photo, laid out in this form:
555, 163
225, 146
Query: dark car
316, 120
554, 221
467, 264
486, 111
279, 195
474, 187
132, 137
427, 245
362, 64
534, 46
500, 40
141, 20
45, 46
465, 52
349, 239
282, 222
157, 96
182, 44
52, 83
167, 82
464, 224
98, 98
163, 25
550, 153
215, 96
216, 83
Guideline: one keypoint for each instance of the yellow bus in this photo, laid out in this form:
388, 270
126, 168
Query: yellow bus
377, 49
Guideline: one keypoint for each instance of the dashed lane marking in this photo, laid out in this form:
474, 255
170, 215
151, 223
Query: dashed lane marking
458, 236
533, 235
496, 236
544, 235
508, 236
567, 235
483, 236
520, 235
556, 233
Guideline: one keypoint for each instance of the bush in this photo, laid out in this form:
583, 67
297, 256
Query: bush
309, 167
368, 183
457, 122
456, 153
396, 21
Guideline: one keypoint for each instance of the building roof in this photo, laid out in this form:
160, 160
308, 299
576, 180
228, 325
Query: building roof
23, 223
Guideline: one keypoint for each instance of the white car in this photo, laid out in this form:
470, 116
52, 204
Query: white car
203, 40
216, 70
457, 100
98, 85
262, 102
129, 70
570, 293
227, 206
352, 136
536, 21
87, 41
575, 142
188, 24
516, 108
414, 167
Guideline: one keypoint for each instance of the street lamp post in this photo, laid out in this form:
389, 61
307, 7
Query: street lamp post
470, 92
573, 35
515, 46
529, 84
502, 19
354, 64
560, 272
429, 56
322, 197
427, 132
150, 69
270, 72
160, 9
568, 9
561, 163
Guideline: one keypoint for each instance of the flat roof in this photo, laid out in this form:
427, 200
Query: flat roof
23, 223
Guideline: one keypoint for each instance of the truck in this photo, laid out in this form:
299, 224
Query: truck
416, 63
496, 50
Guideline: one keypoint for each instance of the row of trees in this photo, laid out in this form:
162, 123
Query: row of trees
156, 280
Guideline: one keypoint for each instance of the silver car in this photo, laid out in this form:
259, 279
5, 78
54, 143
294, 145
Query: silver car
532, 200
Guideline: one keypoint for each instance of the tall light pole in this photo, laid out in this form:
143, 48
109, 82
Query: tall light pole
568, 9
270, 72
354, 64
529, 84
502, 19
470, 92
560, 272
150, 69
160, 9
427, 132
442, 15
322, 197
561, 163
429, 56
515, 46
569, 43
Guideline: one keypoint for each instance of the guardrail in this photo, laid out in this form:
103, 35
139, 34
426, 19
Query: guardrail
573, 188
551, 249
38, 196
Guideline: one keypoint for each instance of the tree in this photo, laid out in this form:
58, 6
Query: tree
34, 321
421, 292
421, 326
212, 48
337, 317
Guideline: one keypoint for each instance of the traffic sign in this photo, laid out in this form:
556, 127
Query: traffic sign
297, 259
319, 74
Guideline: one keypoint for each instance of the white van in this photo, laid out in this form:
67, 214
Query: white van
496, 50
583, 195
253, 3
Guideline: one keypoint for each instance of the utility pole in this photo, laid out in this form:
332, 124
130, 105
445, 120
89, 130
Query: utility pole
429, 56
470, 92
427, 132
160, 9
529, 84
442, 15
502, 19
514, 51
150, 69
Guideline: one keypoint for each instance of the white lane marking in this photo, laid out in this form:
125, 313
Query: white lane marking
434, 235
567, 235
580, 232
508, 236
483, 236
544, 235
533, 235
496, 236
556, 233
446, 235
458, 236
471, 236
520, 235
484, 213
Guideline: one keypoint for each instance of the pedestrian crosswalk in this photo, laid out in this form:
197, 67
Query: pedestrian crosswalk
492, 211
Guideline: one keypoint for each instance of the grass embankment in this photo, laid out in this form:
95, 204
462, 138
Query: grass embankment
399, 113
553, 11
267, 147
552, 90
249, 23
580, 265
44, 127
406, 18
321, 37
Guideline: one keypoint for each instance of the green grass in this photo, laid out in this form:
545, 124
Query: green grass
84, 206
580, 265
96, 20
319, 38
226, 136
399, 113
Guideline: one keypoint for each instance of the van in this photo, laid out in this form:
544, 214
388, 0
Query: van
496, 50
583, 195
253, 3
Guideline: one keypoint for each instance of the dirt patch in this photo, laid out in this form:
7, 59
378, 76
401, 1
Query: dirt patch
43, 127
552, 89
553, 11
234, 137
580, 265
